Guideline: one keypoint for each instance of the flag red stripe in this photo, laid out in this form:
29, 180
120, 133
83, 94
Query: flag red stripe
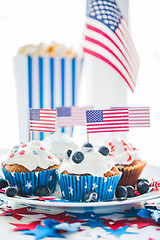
109, 50
108, 127
104, 123
108, 62
38, 130
128, 45
41, 117
32, 126
125, 28
125, 130
33, 123
110, 39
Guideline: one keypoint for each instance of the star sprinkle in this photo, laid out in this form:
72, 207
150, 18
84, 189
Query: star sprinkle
110, 189
21, 227
119, 232
42, 232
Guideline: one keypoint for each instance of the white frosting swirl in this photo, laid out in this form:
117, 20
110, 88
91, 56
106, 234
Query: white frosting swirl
94, 163
59, 143
123, 153
31, 156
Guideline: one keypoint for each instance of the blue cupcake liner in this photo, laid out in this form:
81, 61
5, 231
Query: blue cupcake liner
74, 188
27, 183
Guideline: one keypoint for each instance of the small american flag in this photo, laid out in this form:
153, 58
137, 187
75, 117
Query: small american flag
107, 38
72, 116
139, 117
42, 120
110, 120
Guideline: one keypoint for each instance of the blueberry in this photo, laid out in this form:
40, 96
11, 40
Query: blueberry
3, 183
68, 153
91, 197
143, 187
87, 147
130, 191
142, 180
78, 157
104, 150
42, 191
121, 193
11, 191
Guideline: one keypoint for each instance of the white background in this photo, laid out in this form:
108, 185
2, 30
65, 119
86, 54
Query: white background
23, 22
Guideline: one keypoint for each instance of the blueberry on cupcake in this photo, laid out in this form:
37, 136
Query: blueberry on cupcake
88, 170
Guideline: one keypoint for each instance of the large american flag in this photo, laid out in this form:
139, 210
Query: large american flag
42, 120
110, 120
72, 116
139, 117
107, 38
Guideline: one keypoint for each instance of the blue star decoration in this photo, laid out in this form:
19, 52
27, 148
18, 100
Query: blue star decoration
51, 229
132, 213
119, 232
94, 224
42, 232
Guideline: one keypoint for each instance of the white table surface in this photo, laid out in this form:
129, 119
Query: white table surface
145, 233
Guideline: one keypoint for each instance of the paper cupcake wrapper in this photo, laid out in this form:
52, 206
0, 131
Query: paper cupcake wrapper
130, 175
27, 183
44, 82
74, 188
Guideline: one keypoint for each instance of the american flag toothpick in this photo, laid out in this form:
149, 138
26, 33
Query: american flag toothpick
72, 116
110, 120
42, 120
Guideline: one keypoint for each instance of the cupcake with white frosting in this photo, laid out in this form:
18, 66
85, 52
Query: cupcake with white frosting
30, 166
126, 158
88, 170
58, 143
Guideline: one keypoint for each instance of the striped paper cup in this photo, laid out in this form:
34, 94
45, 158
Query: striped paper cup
27, 183
44, 82
74, 188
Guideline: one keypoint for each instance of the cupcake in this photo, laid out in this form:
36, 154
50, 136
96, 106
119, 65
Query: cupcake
88, 171
58, 143
127, 160
30, 166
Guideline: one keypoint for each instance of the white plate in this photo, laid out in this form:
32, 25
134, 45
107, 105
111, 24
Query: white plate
98, 206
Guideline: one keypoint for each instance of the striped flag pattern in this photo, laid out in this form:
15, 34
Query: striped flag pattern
72, 116
139, 117
107, 38
110, 120
42, 120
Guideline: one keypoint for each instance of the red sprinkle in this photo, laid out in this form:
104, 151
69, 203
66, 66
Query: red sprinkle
12, 155
134, 148
43, 149
50, 157
24, 145
130, 158
22, 152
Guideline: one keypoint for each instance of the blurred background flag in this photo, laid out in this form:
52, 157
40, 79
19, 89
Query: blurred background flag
72, 116
42, 120
110, 120
139, 117
107, 38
